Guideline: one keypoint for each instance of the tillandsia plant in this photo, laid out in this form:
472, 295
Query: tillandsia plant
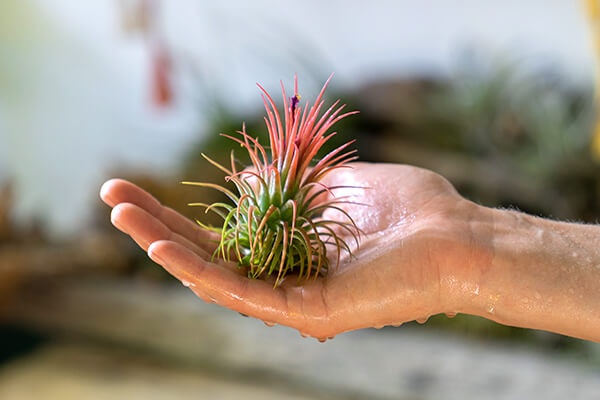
274, 225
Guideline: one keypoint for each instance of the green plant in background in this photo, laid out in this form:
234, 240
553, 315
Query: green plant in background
527, 130
529, 118
273, 225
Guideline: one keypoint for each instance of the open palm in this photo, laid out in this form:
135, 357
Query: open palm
415, 234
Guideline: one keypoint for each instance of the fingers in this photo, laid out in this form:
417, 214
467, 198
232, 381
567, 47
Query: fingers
145, 229
117, 191
183, 249
224, 286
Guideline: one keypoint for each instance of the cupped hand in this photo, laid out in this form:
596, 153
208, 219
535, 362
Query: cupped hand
416, 256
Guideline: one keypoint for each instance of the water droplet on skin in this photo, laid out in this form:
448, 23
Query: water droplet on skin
322, 340
304, 335
422, 320
188, 284
540, 233
243, 315
450, 314
269, 324
331, 338
378, 326
491, 306
397, 325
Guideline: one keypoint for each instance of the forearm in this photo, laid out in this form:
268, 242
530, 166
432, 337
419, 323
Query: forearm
542, 274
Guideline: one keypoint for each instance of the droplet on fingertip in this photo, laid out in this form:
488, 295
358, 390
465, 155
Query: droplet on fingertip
188, 284
269, 324
322, 340
422, 320
450, 314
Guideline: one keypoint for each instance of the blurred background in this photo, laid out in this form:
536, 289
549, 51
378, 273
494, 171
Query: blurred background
496, 96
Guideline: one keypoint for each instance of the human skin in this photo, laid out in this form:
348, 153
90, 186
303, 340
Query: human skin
424, 250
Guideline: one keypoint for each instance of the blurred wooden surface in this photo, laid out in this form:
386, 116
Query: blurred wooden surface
141, 340
67, 371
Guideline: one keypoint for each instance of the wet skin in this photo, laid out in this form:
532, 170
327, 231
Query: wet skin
424, 250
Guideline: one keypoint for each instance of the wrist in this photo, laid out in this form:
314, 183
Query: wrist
503, 282
541, 274
469, 258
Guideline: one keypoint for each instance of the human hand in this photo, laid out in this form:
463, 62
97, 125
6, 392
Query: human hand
417, 254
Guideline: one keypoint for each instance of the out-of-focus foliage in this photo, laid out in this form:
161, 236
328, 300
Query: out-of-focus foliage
533, 117
533, 126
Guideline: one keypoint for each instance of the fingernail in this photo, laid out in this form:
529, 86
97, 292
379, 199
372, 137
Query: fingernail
114, 217
154, 257
104, 193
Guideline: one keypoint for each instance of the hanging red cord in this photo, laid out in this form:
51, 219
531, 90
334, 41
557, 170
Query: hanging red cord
161, 74
142, 16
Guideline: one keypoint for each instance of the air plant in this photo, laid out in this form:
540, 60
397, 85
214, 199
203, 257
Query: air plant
274, 225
